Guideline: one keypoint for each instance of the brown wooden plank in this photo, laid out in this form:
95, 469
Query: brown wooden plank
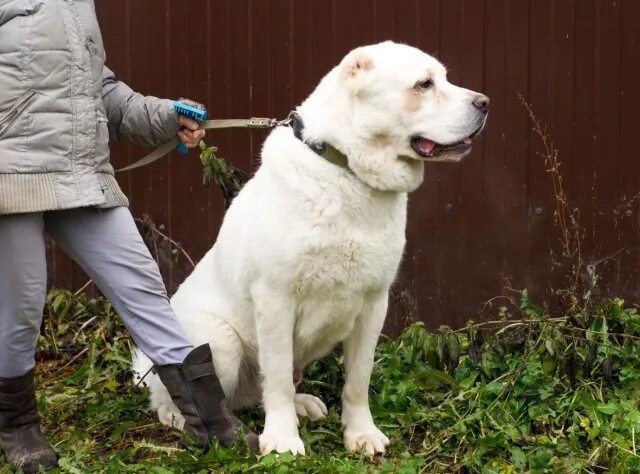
323, 43
585, 115
216, 66
515, 212
179, 180
301, 59
429, 24
490, 265
474, 278
384, 19
539, 191
281, 74
240, 84
447, 262
260, 60
204, 206
606, 143
148, 74
137, 76
416, 279
344, 28
408, 22
628, 224
561, 119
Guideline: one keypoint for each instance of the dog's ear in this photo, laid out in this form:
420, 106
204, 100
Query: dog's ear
356, 66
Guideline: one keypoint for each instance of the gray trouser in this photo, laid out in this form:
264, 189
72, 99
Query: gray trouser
107, 245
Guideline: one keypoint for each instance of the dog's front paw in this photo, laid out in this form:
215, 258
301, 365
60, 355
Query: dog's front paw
373, 441
310, 406
280, 444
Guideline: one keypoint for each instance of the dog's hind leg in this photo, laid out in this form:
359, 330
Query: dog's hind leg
310, 406
307, 405
227, 350
160, 400
228, 359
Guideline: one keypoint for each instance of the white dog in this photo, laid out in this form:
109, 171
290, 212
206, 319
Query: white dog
310, 247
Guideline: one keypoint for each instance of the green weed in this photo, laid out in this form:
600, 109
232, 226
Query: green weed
534, 394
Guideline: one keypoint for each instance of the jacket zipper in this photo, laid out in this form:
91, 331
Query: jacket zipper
19, 106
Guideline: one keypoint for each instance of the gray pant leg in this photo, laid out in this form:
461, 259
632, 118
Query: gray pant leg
107, 245
23, 287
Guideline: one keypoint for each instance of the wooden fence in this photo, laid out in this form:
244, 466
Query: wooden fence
472, 226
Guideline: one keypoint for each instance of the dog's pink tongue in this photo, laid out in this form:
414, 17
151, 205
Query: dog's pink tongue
426, 146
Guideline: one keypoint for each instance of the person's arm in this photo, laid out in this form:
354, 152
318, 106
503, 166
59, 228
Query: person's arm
147, 120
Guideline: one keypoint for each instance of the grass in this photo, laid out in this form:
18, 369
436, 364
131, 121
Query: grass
529, 393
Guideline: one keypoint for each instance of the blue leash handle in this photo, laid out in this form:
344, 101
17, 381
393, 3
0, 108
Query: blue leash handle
195, 113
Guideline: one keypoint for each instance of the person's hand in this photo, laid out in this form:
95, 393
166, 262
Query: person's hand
189, 133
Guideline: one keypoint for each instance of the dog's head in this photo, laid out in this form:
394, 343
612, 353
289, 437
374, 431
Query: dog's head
390, 107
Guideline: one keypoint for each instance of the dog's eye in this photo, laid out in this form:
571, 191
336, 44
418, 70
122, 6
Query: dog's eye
424, 85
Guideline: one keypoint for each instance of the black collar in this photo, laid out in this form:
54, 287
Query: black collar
326, 151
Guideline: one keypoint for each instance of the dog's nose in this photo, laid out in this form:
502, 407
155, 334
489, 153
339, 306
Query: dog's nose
481, 101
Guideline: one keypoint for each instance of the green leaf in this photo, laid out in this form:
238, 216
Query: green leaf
518, 458
112, 385
493, 441
269, 460
527, 306
608, 408
540, 459
159, 470
427, 374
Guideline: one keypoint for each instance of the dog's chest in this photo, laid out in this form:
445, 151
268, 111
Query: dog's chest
322, 321
333, 245
338, 270
354, 251
347, 261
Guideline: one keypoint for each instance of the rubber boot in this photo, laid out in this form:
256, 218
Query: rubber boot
21, 439
196, 391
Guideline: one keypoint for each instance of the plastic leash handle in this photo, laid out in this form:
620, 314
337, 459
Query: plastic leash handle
198, 113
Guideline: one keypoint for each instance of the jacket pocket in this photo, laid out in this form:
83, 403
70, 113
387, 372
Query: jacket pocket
18, 107
9, 9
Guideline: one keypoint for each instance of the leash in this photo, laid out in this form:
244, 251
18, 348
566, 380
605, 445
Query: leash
324, 150
162, 150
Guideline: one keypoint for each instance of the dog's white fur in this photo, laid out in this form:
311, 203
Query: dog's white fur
308, 250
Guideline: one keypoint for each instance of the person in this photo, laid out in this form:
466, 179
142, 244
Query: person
59, 104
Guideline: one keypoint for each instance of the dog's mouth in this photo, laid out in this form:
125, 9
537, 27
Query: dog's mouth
430, 150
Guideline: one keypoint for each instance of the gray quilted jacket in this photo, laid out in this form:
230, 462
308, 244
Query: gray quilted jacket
58, 106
